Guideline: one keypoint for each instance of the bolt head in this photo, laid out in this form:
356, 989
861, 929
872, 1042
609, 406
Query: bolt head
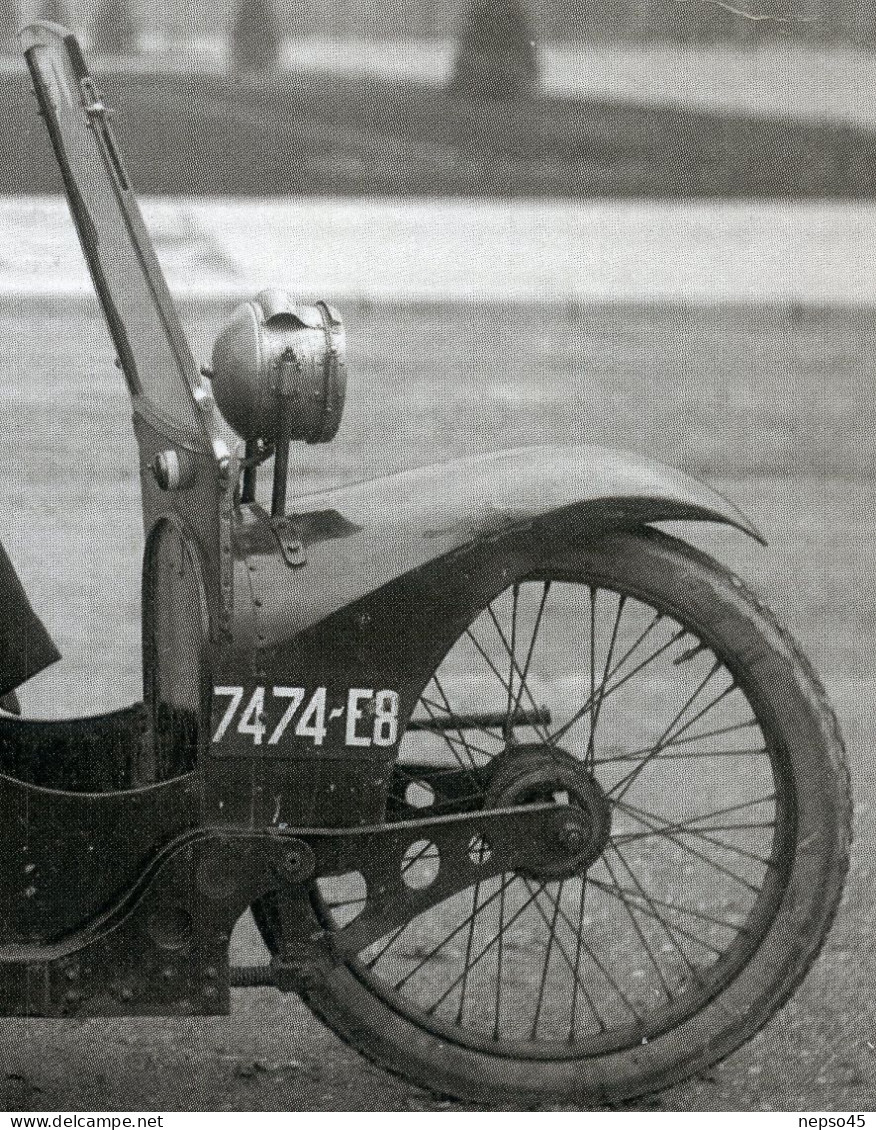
572, 837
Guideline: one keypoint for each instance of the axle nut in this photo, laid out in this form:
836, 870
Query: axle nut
571, 836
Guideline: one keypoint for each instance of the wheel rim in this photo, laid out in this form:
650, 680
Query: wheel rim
694, 864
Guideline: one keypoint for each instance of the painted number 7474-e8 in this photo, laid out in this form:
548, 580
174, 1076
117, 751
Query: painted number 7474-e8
267, 714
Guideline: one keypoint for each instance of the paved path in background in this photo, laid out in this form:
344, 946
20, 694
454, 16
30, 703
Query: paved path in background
394, 250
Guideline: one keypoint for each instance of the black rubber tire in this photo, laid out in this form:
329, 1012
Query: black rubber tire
781, 684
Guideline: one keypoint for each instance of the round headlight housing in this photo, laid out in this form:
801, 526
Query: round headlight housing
279, 366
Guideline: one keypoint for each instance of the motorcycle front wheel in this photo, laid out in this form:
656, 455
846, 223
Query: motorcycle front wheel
639, 677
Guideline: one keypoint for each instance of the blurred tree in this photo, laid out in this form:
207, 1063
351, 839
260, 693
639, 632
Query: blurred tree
57, 11
255, 37
497, 56
9, 25
113, 30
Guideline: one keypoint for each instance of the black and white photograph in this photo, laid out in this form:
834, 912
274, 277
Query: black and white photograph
437, 616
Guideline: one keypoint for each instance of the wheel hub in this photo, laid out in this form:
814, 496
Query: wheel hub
536, 772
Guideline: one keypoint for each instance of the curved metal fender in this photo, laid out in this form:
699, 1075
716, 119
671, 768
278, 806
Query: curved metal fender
361, 537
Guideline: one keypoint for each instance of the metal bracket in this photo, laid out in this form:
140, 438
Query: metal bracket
291, 545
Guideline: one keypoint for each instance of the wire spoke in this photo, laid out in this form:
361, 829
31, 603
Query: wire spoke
538, 726
500, 968
622, 892
393, 937
652, 910
453, 717
589, 951
462, 739
576, 972
512, 652
590, 756
531, 649
470, 769
630, 837
588, 753
740, 807
437, 1004
690, 738
691, 850
552, 933
476, 894
639, 755
686, 829
579, 714
626, 783
457, 929
638, 930
578, 984
452, 741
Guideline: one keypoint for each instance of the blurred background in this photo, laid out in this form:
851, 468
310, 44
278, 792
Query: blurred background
474, 97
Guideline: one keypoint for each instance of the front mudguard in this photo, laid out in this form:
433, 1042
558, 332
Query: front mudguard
385, 576
360, 538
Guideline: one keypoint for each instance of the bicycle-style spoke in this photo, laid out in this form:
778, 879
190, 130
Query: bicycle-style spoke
590, 756
686, 828
550, 921
615, 687
690, 821
696, 755
577, 988
620, 788
500, 933
655, 913
462, 738
467, 767
600, 965
552, 933
512, 657
642, 940
538, 726
500, 968
688, 849
475, 908
393, 937
625, 895
453, 933
623, 892
524, 674
444, 711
